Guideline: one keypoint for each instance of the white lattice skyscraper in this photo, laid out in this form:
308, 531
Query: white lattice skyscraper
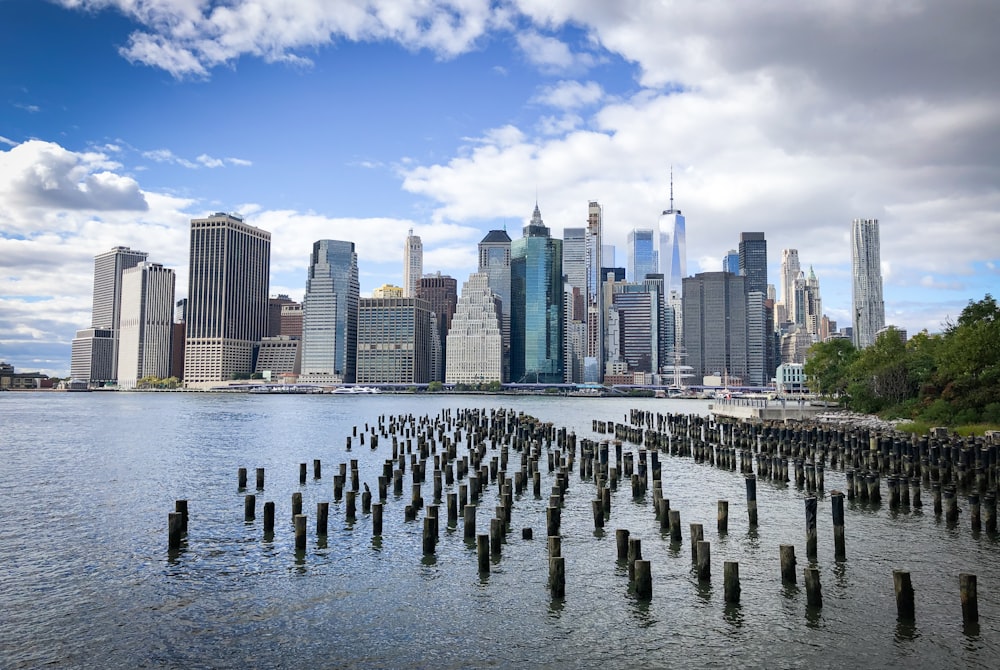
413, 264
475, 343
869, 309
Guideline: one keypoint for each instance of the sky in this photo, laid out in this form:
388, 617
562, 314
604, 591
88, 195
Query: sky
121, 120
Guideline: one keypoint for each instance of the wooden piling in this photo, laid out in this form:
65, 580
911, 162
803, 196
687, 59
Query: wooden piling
643, 580
554, 545
751, 483
675, 525
814, 594
723, 520
970, 599
351, 505
469, 521
811, 539
317, 469
598, 510
837, 504
302, 473
430, 540
974, 514
269, 518
634, 554
904, 594
174, 524
496, 535
296, 504
731, 581
704, 561
300, 532
697, 535
260, 478
483, 552
557, 576
249, 507
787, 554
322, 518
377, 519
552, 520
621, 541
241, 478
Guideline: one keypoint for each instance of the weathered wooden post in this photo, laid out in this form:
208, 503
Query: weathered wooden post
731, 581
260, 478
936, 497
429, 536
675, 525
554, 545
704, 561
974, 515
302, 473
723, 517
697, 535
751, 482
814, 594
174, 524
296, 504
377, 519
351, 504
811, 528
787, 554
249, 507
557, 576
970, 599
483, 552
634, 554
621, 542
322, 518
469, 520
496, 535
268, 518
643, 580
300, 532
904, 594
181, 506
990, 514
317, 469
598, 509
837, 504
366, 500
241, 478
950, 505
452, 509
552, 520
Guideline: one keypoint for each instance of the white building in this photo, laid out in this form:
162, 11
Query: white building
475, 342
147, 318
413, 265
869, 309
790, 378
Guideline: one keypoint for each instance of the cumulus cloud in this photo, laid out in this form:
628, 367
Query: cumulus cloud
43, 174
570, 94
552, 55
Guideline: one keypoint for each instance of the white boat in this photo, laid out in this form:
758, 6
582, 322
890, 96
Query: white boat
355, 390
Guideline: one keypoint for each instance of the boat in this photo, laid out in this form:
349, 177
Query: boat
355, 390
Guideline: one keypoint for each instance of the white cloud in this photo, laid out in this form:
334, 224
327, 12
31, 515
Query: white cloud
8, 142
551, 55
210, 162
570, 95
241, 162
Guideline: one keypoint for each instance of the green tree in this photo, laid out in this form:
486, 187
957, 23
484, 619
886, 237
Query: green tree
435, 387
880, 377
828, 366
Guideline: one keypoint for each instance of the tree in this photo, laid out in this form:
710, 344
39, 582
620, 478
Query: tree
435, 387
879, 377
828, 366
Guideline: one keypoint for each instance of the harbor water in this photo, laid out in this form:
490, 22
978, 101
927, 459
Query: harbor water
87, 481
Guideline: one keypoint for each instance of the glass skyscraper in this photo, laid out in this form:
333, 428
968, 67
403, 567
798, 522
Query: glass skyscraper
869, 309
643, 258
330, 313
753, 261
537, 322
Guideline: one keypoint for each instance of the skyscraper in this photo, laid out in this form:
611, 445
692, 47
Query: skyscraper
394, 341
869, 309
790, 270
441, 292
574, 266
230, 263
330, 313
413, 264
95, 350
731, 262
146, 325
475, 343
597, 254
715, 324
672, 225
494, 260
643, 257
537, 324
753, 261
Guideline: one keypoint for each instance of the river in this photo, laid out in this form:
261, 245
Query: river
87, 481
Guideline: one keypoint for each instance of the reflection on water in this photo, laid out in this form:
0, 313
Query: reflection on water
233, 597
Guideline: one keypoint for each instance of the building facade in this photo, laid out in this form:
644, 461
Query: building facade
598, 254
394, 341
413, 264
228, 279
537, 323
643, 257
146, 333
330, 313
441, 292
753, 261
494, 260
869, 309
475, 341
715, 324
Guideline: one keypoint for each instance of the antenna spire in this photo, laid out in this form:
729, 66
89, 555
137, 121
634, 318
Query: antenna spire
671, 187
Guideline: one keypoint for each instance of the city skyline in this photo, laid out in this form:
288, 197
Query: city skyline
453, 131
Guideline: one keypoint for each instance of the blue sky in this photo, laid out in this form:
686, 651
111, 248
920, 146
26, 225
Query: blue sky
121, 120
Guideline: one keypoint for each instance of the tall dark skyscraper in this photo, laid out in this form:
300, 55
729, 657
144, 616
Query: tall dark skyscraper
441, 292
537, 320
330, 313
753, 261
715, 324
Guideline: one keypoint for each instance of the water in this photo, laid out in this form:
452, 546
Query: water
87, 481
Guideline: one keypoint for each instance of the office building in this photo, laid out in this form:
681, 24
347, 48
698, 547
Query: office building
790, 271
388, 291
95, 356
638, 321
413, 264
643, 257
537, 323
330, 313
475, 341
146, 324
598, 254
715, 324
574, 267
230, 263
753, 261
673, 225
869, 309
274, 307
291, 320
441, 293
394, 341
279, 357
731, 262
494, 260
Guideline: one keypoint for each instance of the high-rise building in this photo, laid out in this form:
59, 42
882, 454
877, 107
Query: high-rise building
291, 320
394, 341
574, 267
753, 261
790, 270
869, 309
227, 298
494, 260
330, 313
674, 263
95, 355
598, 254
715, 324
643, 257
475, 341
812, 306
537, 324
638, 308
280, 355
388, 291
731, 262
665, 319
274, 306
146, 325
441, 292
413, 264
